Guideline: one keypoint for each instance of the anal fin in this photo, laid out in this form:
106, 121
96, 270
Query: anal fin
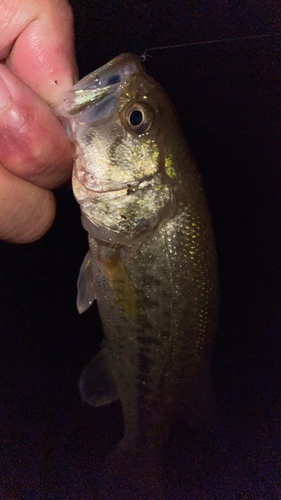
96, 384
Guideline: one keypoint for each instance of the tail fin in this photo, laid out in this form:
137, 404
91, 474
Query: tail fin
134, 475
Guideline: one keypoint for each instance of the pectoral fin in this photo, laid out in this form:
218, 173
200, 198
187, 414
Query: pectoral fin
85, 285
96, 384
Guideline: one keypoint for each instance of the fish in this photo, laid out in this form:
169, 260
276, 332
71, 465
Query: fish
151, 264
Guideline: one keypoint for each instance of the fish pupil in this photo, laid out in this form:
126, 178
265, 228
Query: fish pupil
136, 117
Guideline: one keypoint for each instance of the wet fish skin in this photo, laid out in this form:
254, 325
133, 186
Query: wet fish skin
152, 251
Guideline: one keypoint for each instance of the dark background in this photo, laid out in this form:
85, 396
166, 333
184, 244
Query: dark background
228, 101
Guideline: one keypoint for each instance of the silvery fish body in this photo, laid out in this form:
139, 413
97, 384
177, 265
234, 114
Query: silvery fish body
152, 261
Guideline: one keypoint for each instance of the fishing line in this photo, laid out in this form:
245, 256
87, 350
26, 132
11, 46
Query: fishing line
207, 42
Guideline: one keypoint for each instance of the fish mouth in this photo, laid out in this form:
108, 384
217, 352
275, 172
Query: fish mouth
91, 183
102, 212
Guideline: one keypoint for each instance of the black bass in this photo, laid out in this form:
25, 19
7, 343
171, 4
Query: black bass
152, 264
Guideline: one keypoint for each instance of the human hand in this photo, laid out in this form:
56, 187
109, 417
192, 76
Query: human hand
37, 65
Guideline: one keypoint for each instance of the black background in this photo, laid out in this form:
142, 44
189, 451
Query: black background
228, 101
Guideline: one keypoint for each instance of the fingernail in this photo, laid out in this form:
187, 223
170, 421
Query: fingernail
5, 96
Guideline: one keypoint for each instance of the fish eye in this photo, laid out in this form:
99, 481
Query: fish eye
139, 117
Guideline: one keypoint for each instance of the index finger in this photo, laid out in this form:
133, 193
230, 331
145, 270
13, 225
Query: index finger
36, 39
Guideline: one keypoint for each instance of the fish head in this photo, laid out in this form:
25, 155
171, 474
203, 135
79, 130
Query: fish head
127, 150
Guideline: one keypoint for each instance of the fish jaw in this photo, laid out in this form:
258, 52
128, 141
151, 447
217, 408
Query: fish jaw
119, 217
93, 88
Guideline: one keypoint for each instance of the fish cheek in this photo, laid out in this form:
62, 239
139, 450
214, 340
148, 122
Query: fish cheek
137, 155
